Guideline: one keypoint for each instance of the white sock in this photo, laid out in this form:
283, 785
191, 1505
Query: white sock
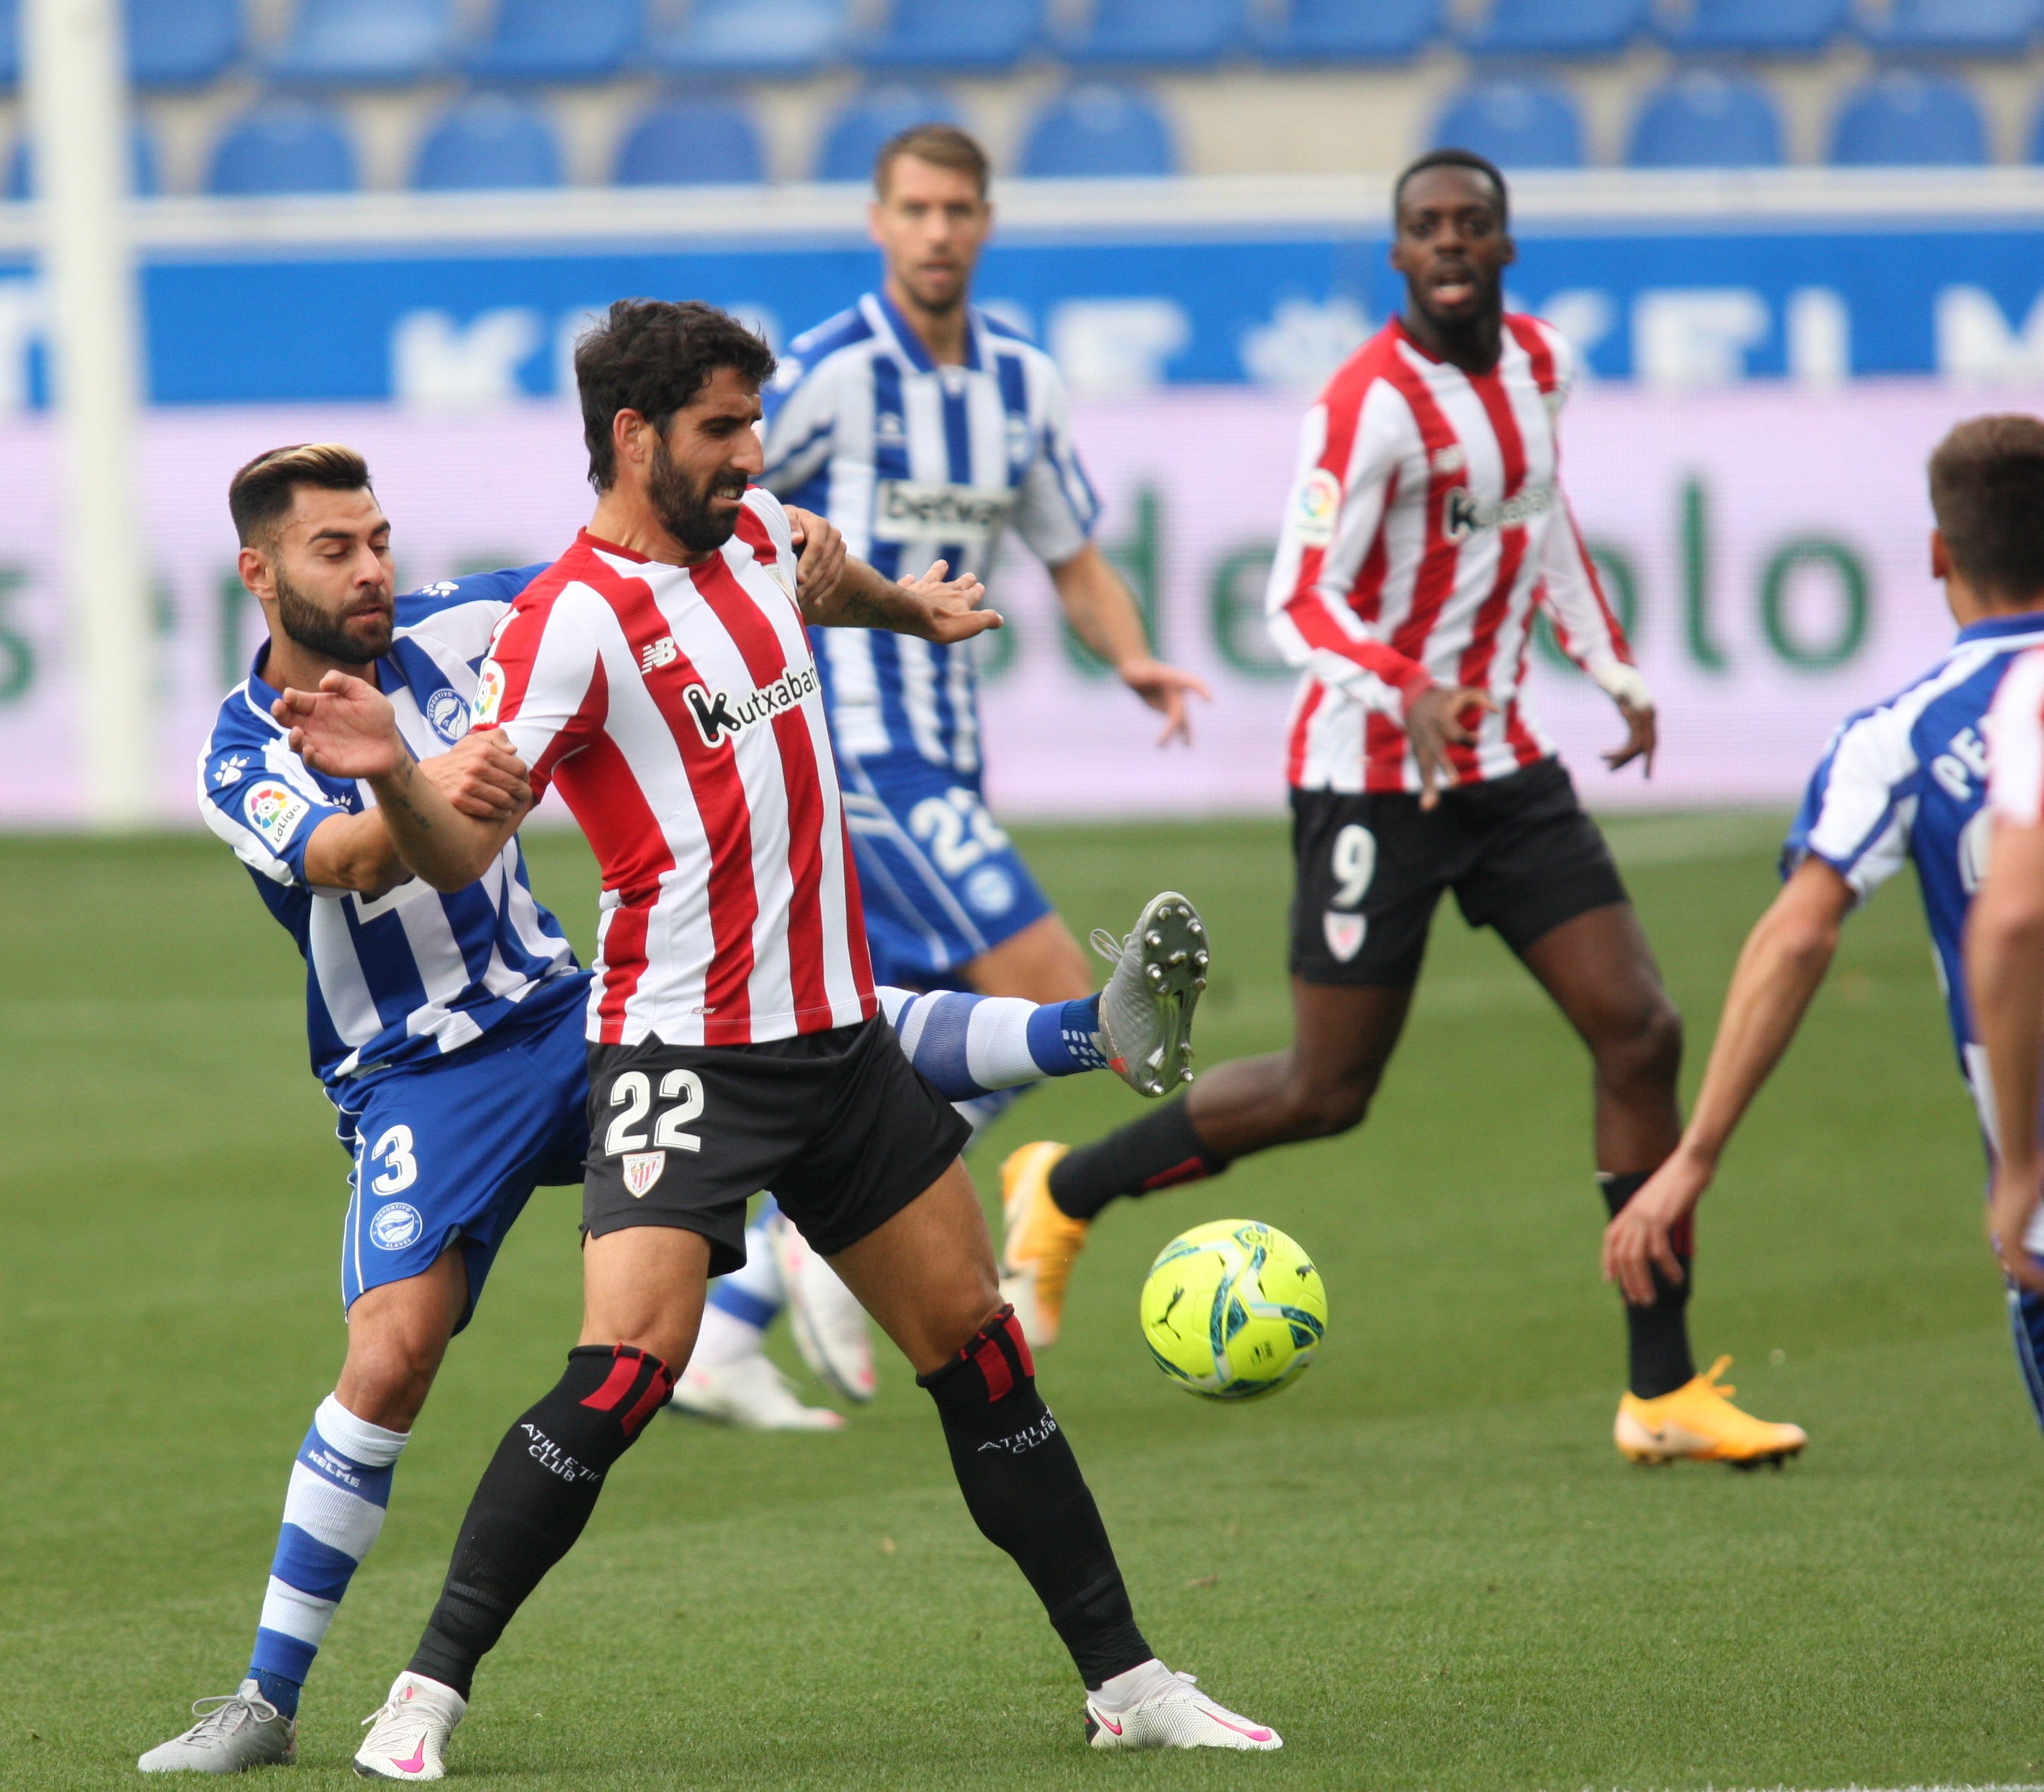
742, 1305
1127, 1690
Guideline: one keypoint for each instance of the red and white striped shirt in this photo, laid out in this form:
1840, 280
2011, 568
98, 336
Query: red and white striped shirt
2016, 742
678, 709
1427, 524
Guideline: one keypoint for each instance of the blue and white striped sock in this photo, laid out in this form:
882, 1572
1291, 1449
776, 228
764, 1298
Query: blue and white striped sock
970, 1045
333, 1509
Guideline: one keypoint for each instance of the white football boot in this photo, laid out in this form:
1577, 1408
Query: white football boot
1145, 1011
750, 1392
1170, 1712
828, 1323
408, 1737
235, 1730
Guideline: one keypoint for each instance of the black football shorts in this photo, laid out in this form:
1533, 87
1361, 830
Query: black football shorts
839, 1125
1519, 853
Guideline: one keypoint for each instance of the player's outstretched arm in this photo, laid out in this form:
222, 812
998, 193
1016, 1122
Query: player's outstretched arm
1780, 968
1103, 614
479, 776
935, 607
346, 728
2005, 980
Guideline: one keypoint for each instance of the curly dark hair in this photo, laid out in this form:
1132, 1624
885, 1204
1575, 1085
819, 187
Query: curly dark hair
654, 356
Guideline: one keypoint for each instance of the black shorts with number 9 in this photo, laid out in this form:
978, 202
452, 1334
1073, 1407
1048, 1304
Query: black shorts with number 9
1519, 852
839, 1125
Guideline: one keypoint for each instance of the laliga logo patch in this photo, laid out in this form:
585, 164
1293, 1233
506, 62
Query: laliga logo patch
274, 810
1317, 508
642, 1170
488, 693
449, 714
1344, 932
395, 1226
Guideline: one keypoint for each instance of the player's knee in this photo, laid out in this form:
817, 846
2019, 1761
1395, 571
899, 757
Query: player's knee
1320, 1110
1647, 1048
387, 1380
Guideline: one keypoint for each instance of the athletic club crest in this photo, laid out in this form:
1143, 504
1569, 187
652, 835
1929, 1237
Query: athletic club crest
642, 1170
1344, 932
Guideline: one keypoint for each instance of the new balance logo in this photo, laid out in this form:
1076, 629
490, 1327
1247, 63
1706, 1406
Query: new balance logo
720, 716
662, 652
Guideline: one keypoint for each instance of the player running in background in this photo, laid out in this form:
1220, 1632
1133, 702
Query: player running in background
2004, 941
924, 429
660, 674
448, 1028
1426, 527
1903, 779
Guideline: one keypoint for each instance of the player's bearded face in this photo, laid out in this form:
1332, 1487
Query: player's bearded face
358, 630
688, 506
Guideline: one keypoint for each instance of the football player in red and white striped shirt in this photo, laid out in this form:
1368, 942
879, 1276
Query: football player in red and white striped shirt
1428, 528
661, 675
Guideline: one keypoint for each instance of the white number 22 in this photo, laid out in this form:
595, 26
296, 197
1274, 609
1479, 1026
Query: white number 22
633, 1092
1354, 863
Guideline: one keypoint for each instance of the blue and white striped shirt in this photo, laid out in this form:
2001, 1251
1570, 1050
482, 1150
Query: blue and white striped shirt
916, 462
412, 975
1906, 779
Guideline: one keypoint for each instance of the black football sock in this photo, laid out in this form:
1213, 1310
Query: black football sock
1658, 1337
533, 1500
1157, 1151
1022, 1485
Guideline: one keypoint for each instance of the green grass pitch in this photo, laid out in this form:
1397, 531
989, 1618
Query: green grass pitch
1425, 1563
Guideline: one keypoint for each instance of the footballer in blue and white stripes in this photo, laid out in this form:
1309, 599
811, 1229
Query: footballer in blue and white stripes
1902, 780
924, 428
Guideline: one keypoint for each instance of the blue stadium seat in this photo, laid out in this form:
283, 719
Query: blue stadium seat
1158, 33
182, 43
2035, 149
283, 146
752, 38
142, 165
1560, 28
486, 141
1907, 119
1962, 27
854, 136
987, 34
1516, 123
1098, 131
1778, 27
560, 40
1703, 120
690, 142
366, 40
1349, 31
10, 42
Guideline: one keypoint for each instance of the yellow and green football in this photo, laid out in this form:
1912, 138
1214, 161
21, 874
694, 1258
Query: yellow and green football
1233, 1310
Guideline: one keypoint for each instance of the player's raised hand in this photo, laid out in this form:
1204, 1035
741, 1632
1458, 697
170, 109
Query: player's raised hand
1642, 738
1640, 1237
2012, 1205
821, 548
1434, 721
1164, 688
346, 728
942, 608
482, 777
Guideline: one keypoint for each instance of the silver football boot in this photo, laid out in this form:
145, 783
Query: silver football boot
240, 1729
1145, 1011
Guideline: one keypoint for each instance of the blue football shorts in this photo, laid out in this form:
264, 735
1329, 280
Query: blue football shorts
940, 882
452, 1149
